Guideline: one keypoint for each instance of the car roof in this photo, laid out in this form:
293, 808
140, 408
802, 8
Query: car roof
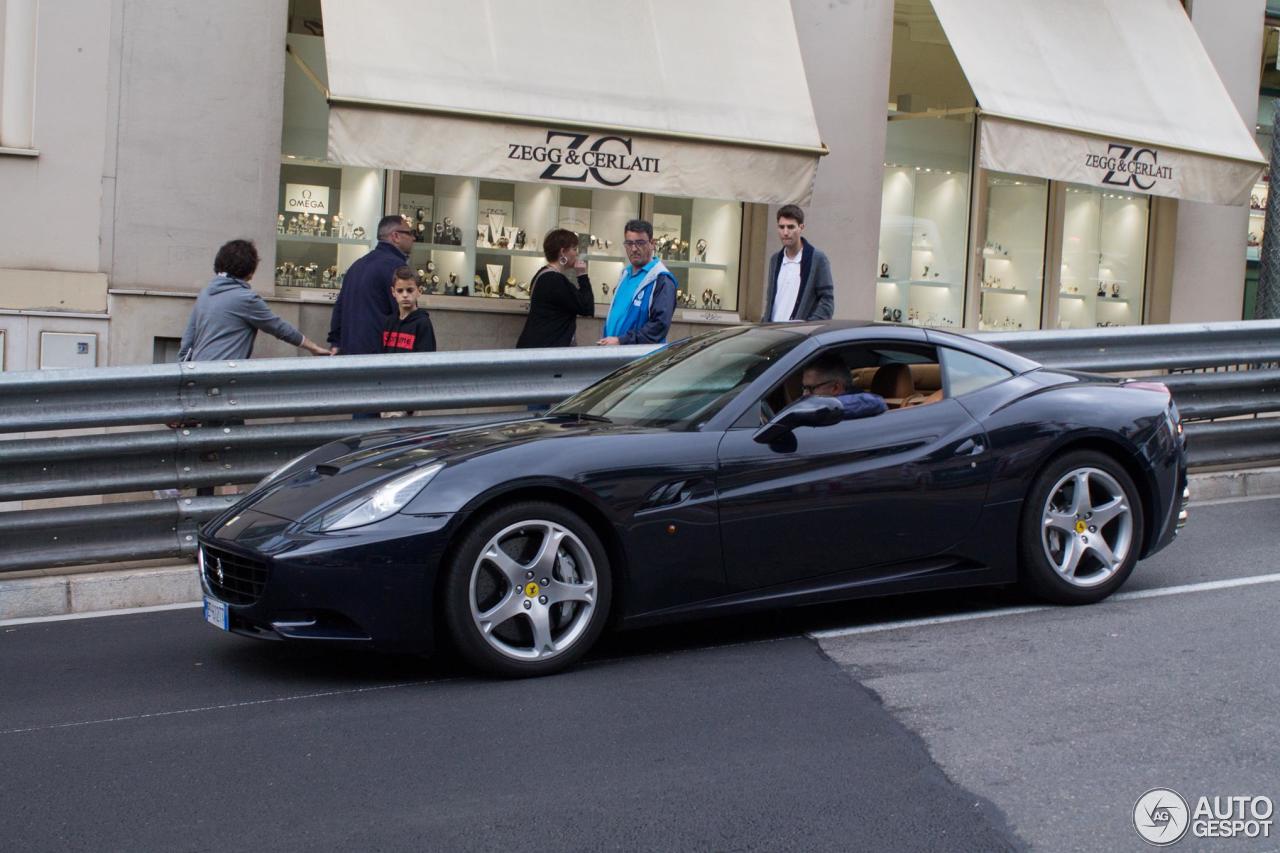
829, 332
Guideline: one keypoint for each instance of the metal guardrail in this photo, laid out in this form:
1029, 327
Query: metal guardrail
133, 456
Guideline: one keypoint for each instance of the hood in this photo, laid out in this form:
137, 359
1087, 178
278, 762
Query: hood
343, 468
223, 283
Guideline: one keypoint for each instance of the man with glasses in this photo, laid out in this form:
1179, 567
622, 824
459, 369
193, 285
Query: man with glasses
828, 376
645, 299
364, 303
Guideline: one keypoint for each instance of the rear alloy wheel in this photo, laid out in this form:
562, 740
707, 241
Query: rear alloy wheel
1081, 529
528, 590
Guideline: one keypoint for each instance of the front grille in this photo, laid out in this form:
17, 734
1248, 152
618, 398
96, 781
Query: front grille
233, 578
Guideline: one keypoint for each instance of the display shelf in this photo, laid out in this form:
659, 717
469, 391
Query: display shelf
915, 282
332, 241
1080, 296
440, 247
1261, 214
515, 253
695, 265
1112, 300
1012, 291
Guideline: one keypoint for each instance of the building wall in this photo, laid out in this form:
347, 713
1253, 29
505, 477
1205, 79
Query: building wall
1209, 261
198, 111
51, 215
846, 47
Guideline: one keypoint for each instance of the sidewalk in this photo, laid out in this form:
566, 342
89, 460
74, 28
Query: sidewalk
95, 592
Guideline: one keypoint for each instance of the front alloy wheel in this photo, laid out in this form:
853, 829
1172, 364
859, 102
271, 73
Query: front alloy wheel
528, 590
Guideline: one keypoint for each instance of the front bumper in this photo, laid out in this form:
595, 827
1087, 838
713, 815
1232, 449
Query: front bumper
370, 586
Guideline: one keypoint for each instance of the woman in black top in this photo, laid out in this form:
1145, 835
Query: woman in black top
555, 303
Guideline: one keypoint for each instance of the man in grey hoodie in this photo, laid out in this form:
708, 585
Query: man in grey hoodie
228, 313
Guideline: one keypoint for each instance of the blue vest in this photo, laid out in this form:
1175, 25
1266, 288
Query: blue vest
632, 297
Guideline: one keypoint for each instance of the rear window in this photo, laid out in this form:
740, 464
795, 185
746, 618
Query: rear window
965, 373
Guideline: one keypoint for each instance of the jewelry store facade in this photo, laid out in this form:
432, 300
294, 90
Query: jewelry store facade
1033, 186
487, 131
484, 167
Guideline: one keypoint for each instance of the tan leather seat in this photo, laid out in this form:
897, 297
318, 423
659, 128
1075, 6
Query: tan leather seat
927, 379
893, 382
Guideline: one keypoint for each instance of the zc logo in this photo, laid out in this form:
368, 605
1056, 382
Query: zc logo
577, 161
1127, 165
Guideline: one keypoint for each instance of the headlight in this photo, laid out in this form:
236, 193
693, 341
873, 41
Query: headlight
276, 474
383, 502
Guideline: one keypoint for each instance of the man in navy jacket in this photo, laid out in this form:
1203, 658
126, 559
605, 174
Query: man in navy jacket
365, 299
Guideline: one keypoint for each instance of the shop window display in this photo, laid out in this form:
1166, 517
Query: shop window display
484, 238
1011, 261
924, 222
699, 240
326, 218
1104, 258
1257, 219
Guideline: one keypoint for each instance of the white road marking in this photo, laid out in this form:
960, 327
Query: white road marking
97, 614
1159, 592
228, 706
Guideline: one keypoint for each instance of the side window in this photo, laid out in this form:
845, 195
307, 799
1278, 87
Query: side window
966, 373
904, 375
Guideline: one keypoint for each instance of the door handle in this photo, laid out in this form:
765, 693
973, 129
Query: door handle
970, 447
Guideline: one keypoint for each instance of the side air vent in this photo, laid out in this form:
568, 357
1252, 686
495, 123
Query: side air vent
668, 494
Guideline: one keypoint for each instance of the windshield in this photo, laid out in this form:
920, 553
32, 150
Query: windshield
684, 384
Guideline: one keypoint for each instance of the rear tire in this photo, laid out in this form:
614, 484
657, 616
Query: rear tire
527, 590
1081, 529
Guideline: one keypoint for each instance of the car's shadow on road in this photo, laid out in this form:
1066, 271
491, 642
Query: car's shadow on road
320, 667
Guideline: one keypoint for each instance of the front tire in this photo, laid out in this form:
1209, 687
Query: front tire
1081, 529
527, 590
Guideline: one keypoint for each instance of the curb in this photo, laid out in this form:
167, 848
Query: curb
93, 592
90, 592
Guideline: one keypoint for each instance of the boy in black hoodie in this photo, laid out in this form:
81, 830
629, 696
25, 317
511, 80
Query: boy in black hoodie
410, 329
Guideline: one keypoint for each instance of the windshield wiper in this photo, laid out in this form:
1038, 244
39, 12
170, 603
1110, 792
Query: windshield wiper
582, 416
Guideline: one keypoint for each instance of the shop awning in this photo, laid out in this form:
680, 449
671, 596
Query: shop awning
700, 99
1112, 93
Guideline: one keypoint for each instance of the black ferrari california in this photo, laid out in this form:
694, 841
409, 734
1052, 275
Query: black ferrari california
720, 474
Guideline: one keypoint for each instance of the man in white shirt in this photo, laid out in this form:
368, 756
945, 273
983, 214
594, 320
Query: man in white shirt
799, 286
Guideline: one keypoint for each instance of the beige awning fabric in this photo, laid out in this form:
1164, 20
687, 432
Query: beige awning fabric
705, 99
1112, 93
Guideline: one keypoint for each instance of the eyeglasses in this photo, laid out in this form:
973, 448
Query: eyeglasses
813, 389
409, 233
636, 244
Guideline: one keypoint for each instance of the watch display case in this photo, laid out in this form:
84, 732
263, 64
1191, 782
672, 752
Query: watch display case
1257, 219
326, 218
923, 230
1010, 263
924, 220
1104, 258
484, 238
699, 241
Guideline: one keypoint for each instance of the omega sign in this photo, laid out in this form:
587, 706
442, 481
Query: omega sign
306, 198
577, 157
1127, 165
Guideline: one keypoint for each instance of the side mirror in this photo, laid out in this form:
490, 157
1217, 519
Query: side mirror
807, 411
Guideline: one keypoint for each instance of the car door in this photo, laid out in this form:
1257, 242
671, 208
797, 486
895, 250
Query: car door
893, 488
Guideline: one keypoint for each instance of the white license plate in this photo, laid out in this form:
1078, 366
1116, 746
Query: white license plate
215, 613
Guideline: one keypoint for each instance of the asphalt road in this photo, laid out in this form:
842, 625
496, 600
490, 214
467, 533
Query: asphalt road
153, 732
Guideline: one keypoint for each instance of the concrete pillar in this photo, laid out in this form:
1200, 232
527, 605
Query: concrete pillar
18, 73
1209, 262
846, 49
